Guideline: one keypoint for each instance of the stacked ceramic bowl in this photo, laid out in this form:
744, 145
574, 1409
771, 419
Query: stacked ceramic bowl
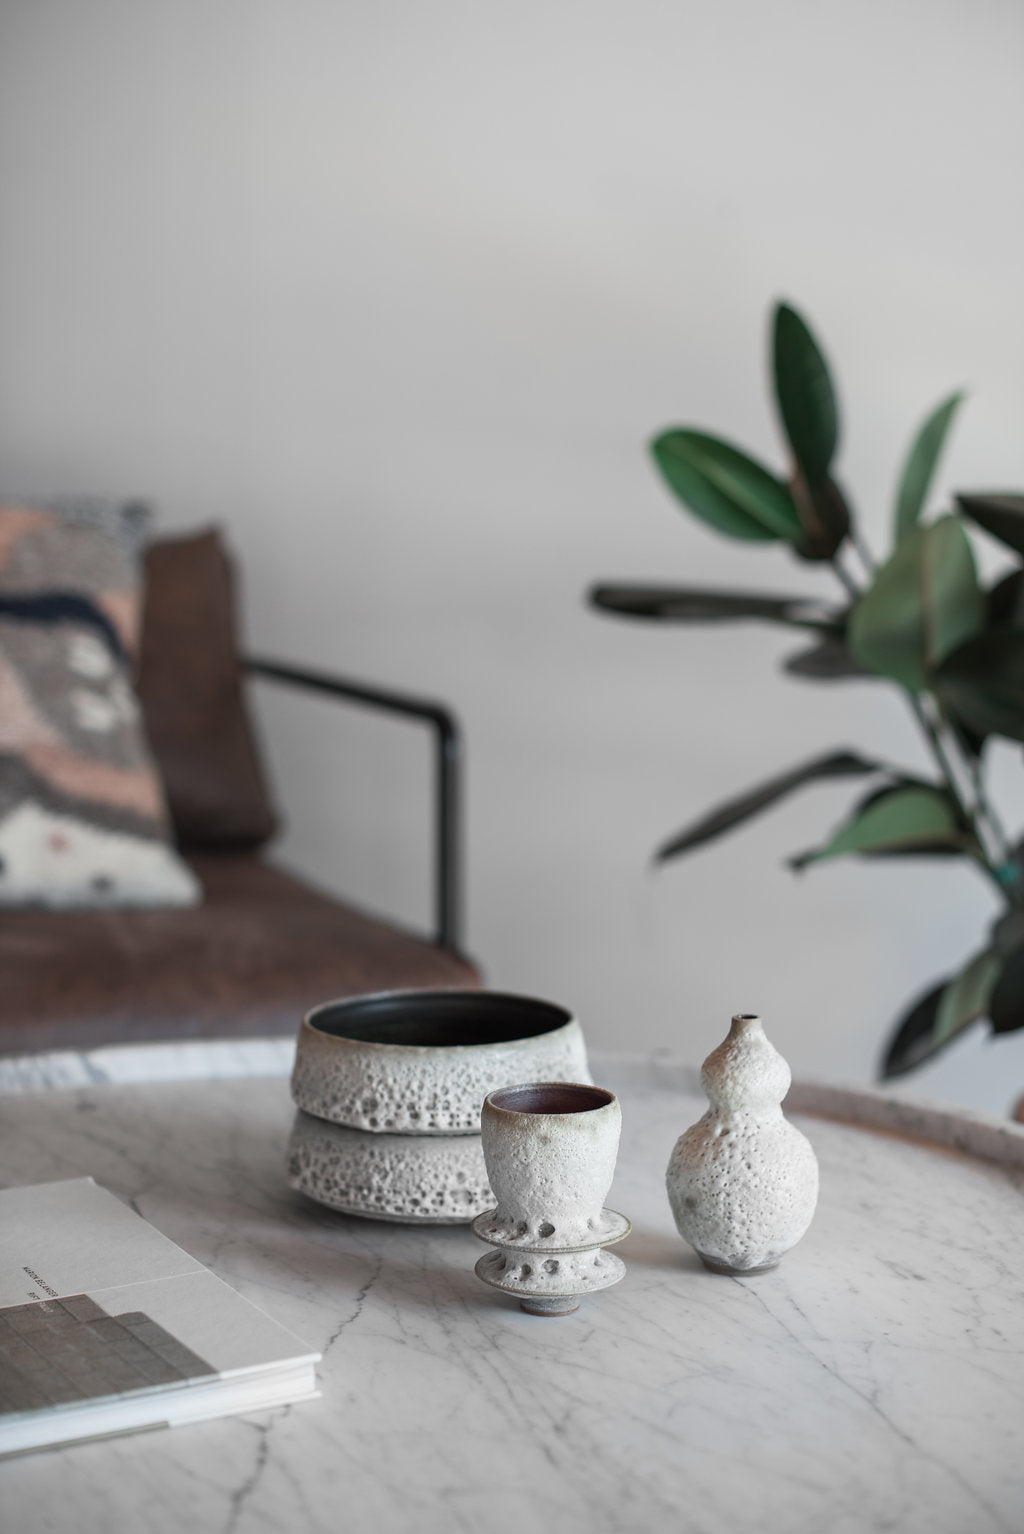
389, 1089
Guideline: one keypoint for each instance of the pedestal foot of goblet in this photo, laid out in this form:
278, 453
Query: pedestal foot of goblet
550, 1285
556, 1305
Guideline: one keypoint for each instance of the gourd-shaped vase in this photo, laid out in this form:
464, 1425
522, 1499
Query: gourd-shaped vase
743, 1181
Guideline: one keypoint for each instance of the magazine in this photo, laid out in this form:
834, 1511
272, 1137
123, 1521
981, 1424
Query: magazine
107, 1327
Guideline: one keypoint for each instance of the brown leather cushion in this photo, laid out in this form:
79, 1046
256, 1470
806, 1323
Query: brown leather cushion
190, 686
260, 951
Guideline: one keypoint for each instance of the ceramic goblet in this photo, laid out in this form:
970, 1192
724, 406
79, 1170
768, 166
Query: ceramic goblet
550, 1150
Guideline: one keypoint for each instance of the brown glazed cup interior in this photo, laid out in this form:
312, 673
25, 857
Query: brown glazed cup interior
543, 1097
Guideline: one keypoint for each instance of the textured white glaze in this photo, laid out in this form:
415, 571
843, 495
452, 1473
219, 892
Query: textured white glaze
417, 1179
550, 1152
873, 1383
743, 1181
532, 1274
550, 1173
505, 1231
423, 1089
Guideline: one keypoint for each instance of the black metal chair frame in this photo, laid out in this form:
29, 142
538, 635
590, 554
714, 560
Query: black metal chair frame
448, 754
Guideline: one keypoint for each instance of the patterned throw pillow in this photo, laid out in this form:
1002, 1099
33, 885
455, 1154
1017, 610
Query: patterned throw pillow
82, 814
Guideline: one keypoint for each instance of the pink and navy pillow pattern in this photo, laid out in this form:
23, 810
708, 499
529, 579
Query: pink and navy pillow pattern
82, 814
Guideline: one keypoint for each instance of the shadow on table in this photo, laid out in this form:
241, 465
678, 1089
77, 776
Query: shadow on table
659, 1249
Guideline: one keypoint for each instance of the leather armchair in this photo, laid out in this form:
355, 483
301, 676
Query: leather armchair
263, 946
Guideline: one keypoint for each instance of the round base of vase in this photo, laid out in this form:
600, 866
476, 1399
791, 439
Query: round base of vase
714, 1266
606, 1231
536, 1280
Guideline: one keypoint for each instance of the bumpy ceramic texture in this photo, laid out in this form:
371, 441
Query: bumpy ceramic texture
540, 1282
423, 1090
428, 1180
743, 1181
550, 1173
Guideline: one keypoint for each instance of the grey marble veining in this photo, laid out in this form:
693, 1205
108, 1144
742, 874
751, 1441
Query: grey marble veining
874, 1382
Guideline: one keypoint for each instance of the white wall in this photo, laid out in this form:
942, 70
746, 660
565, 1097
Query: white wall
397, 292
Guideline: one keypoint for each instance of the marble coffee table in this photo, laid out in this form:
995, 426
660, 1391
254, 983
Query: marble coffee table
875, 1381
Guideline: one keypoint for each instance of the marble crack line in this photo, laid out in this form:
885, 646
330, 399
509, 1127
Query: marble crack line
901, 1433
488, 1371
360, 1301
241, 1494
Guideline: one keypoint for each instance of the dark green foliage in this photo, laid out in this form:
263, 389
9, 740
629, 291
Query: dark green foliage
923, 603
807, 409
1004, 604
1006, 1004
919, 469
827, 661
837, 764
907, 818
919, 620
1000, 515
913, 1041
804, 394
695, 604
729, 491
983, 683
824, 516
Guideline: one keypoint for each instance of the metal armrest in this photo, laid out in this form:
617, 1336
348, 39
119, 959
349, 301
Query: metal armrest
448, 751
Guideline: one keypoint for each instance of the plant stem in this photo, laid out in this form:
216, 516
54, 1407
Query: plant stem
981, 829
845, 579
971, 769
867, 559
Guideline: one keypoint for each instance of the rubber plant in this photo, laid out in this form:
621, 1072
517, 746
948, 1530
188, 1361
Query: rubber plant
920, 618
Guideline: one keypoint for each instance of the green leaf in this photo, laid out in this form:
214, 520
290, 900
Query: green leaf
1006, 1004
920, 464
824, 516
905, 819
982, 683
697, 604
1008, 932
1004, 611
971, 741
924, 602
804, 393
942, 1014
725, 488
1002, 515
914, 1039
1005, 602
966, 998
827, 661
837, 764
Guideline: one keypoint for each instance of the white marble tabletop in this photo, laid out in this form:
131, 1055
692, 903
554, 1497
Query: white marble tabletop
875, 1381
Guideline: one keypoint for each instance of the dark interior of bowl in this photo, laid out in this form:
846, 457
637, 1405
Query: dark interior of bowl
551, 1097
439, 1017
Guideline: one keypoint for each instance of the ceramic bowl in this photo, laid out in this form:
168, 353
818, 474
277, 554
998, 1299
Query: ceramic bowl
415, 1179
422, 1062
